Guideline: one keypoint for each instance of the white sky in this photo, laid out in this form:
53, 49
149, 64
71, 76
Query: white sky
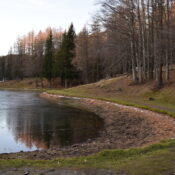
18, 17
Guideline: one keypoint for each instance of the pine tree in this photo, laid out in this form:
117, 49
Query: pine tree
60, 59
48, 59
65, 68
70, 71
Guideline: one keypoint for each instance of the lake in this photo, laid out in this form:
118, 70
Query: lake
28, 123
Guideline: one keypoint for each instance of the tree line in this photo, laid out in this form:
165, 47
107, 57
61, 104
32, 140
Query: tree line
130, 36
125, 37
26, 57
59, 62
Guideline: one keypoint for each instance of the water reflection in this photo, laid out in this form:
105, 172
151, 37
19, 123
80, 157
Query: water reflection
28, 122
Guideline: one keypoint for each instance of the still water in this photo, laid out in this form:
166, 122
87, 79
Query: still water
28, 123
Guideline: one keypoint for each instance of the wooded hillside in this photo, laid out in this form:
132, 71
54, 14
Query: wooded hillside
125, 37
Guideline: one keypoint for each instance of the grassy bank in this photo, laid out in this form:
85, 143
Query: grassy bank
34, 84
120, 91
156, 159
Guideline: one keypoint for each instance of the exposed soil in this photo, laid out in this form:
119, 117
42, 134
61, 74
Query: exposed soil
32, 171
125, 127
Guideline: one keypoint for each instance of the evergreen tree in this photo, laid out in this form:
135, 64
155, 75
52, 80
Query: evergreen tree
48, 58
70, 70
60, 59
65, 68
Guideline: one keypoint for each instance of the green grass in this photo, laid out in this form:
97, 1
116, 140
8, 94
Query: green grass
156, 159
130, 95
25, 89
152, 105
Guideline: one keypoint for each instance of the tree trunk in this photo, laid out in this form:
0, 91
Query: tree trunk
65, 83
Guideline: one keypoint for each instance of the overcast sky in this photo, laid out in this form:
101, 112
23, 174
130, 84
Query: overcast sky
18, 17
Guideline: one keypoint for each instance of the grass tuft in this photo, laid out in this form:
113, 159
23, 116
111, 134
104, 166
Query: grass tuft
118, 160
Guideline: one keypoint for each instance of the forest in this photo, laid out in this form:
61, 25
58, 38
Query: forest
134, 37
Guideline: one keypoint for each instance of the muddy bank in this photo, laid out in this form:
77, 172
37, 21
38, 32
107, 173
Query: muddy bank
125, 127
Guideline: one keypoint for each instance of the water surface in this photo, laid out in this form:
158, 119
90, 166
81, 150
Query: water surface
28, 122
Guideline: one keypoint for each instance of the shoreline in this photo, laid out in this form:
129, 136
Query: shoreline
125, 127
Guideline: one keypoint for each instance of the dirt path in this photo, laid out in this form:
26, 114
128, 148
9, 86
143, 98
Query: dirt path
31, 171
154, 106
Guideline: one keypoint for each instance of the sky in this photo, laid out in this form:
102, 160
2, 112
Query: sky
18, 17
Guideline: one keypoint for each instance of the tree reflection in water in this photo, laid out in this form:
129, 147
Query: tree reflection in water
38, 123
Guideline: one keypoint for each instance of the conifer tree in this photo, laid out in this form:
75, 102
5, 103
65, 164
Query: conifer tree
48, 59
60, 59
70, 70
65, 68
